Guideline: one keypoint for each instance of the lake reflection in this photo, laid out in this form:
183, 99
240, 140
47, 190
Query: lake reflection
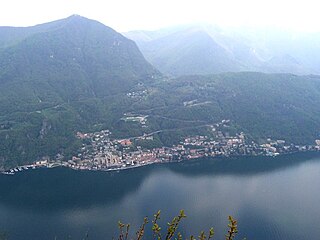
272, 198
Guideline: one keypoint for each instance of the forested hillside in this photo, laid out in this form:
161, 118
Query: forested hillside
77, 75
53, 78
278, 106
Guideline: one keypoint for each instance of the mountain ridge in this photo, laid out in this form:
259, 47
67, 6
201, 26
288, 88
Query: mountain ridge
248, 50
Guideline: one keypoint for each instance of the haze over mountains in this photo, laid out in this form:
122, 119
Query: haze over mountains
206, 49
77, 74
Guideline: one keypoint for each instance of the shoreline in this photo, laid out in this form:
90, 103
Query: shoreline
29, 167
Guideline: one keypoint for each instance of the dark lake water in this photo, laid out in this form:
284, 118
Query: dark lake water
272, 198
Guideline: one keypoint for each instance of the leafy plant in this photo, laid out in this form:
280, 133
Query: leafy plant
172, 229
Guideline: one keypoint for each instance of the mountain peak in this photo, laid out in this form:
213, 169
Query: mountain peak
97, 53
77, 17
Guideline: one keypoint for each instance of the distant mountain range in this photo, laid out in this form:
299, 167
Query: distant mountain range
206, 49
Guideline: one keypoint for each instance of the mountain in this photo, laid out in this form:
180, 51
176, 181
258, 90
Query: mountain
276, 106
96, 60
283, 63
78, 75
52, 76
187, 51
206, 49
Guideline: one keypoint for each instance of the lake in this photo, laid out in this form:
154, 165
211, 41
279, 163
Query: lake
272, 198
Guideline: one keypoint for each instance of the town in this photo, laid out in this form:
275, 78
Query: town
100, 152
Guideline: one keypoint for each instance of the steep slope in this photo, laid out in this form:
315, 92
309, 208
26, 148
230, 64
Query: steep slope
77, 55
48, 77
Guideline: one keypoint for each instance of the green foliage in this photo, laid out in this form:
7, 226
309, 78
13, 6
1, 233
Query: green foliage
233, 229
173, 225
57, 79
149, 144
278, 106
156, 229
171, 231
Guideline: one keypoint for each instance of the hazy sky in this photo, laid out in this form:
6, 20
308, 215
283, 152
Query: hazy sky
124, 15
